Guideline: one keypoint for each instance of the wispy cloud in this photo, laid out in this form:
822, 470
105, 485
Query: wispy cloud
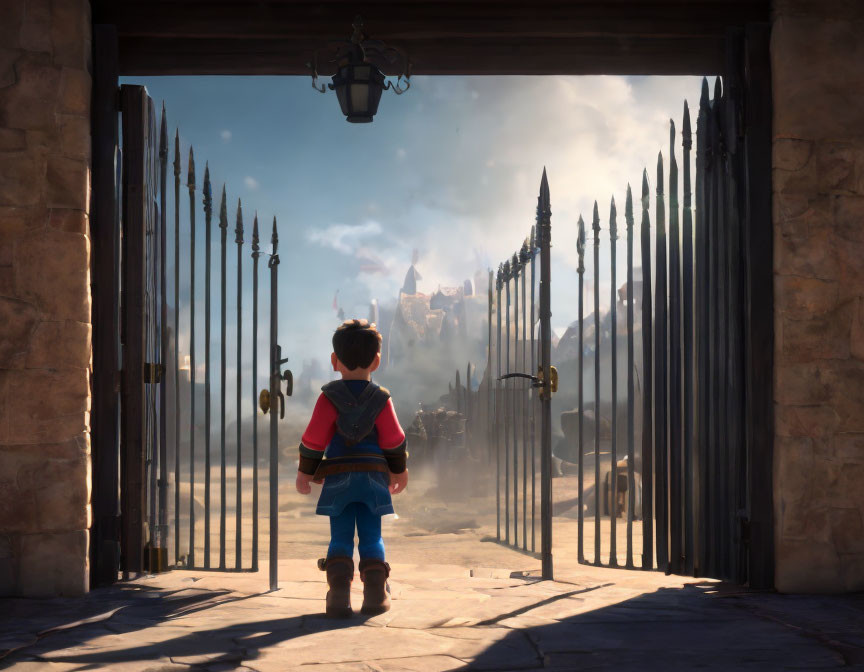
344, 238
225, 134
251, 183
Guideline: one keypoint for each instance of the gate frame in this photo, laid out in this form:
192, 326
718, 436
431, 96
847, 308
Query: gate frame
115, 55
105, 237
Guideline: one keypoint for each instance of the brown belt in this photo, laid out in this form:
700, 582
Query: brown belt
325, 469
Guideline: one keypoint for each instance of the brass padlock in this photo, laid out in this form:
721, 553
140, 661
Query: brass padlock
264, 401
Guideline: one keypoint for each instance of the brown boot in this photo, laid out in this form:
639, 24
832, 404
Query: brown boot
376, 590
340, 573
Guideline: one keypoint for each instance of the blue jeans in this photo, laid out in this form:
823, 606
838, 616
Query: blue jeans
368, 530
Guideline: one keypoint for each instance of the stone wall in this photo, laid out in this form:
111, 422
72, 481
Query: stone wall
44, 296
818, 80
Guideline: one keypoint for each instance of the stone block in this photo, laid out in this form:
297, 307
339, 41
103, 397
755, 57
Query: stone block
791, 154
856, 345
801, 566
44, 490
67, 183
22, 179
8, 58
849, 217
822, 337
75, 136
4, 406
846, 382
806, 245
75, 91
52, 270
849, 448
859, 168
18, 320
847, 530
12, 140
789, 206
807, 104
852, 570
802, 384
7, 281
815, 422
10, 26
43, 140
70, 221
36, 28
801, 298
850, 269
806, 257
806, 167
33, 100
806, 521
53, 564
793, 461
45, 405
60, 345
826, 482
70, 33
851, 493
805, 180
16, 220
836, 167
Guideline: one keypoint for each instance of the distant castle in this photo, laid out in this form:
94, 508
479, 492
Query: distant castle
447, 320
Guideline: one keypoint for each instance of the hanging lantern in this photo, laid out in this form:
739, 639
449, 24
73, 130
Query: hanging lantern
359, 82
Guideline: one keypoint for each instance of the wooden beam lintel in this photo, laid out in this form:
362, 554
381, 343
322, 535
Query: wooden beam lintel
635, 56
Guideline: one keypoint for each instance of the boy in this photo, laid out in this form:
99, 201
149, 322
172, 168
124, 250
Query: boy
364, 463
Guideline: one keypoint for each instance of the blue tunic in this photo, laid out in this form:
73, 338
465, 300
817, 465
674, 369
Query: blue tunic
367, 487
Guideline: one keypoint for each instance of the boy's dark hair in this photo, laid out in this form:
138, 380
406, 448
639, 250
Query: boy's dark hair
356, 342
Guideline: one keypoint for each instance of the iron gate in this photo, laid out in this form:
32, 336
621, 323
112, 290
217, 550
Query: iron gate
676, 486
524, 383
689, 472
162, 390
679, 467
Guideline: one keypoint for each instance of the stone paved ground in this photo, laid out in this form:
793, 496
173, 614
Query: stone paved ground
461, 602
444, 617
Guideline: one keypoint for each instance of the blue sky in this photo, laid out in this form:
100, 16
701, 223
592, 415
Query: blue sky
450, 168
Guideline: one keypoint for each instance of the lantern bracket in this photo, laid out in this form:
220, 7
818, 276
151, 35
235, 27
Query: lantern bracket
358, 48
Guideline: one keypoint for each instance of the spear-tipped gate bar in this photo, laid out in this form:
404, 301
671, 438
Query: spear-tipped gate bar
522, 390
169, 387
664, 464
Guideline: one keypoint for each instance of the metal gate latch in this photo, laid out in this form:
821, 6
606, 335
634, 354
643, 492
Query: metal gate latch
553, 380
264, 398
537, 381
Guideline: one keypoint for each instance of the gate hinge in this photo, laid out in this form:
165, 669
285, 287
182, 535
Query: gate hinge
153, 372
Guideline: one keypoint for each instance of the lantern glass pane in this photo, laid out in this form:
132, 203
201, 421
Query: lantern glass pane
360, 98
361, 72
340, 95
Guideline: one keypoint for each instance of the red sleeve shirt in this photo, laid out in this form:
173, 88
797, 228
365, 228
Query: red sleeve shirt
322, 426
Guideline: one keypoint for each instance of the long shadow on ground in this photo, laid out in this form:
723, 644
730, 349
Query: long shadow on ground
694, 627
73, 625
689, 628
